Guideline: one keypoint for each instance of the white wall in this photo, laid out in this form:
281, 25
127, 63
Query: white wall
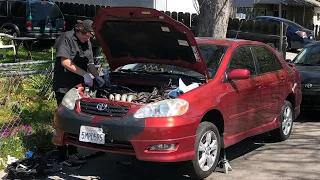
161, 5
181, 6
316, 11
142, 3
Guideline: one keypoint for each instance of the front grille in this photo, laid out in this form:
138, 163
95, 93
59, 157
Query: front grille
113, 110
108, 146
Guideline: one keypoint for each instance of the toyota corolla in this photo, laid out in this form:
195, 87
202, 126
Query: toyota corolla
173, 97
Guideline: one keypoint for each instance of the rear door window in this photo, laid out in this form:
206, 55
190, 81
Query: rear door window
18, 9
268, 62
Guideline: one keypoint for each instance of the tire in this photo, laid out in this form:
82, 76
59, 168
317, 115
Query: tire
286, 123
11, 31
203, 131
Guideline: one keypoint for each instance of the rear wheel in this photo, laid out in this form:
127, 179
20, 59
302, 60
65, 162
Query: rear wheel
286, 123
207, 149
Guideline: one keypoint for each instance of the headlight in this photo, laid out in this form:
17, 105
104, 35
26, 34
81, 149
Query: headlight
69, 100
166, 108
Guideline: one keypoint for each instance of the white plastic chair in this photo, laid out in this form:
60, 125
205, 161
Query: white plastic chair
4, 47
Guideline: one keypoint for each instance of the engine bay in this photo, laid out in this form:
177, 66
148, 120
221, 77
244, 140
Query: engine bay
134, 92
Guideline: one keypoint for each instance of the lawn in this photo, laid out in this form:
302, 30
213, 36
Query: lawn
41, 51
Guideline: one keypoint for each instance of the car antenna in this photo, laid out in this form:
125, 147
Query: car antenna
238, 30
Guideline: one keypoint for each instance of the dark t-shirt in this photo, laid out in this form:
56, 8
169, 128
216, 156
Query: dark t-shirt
68, 46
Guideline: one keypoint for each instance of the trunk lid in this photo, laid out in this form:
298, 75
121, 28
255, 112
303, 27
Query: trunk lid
131, 35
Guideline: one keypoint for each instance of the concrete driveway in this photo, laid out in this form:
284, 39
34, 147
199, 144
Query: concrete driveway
256, 158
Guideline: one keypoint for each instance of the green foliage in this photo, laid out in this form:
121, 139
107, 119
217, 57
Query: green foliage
28, 100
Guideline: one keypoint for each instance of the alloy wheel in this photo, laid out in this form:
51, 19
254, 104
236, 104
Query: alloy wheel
207, 151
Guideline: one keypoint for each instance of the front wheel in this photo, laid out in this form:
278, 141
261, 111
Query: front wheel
207, 148
286, 123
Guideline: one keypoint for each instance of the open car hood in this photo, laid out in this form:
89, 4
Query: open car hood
131, 35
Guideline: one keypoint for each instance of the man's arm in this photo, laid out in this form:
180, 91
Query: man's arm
67, 63
91, 66
93, 70
64, 52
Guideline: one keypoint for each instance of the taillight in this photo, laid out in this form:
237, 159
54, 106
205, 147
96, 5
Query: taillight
29, 25
302, 34
64, 25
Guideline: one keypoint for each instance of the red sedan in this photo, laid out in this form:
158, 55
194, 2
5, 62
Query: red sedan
173, 97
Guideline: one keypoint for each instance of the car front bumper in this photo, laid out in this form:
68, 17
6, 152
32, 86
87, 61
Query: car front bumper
131, 136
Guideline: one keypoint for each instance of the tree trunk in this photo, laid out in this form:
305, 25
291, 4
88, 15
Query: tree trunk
213, 18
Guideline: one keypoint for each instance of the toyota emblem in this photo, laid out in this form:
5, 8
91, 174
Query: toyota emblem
102, 106
308, 86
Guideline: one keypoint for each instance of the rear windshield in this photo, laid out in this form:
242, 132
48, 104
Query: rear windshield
42, 10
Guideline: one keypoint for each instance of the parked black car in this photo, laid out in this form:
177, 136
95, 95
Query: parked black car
297, 35
31, 18
308, 64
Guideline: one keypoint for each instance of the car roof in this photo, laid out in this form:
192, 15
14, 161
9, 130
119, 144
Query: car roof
284, 20
225, 41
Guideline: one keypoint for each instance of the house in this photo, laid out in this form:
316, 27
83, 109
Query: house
303, 12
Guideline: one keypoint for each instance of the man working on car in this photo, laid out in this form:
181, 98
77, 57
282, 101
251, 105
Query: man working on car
73, 58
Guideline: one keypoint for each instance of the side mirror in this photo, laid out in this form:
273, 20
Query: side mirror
238, 74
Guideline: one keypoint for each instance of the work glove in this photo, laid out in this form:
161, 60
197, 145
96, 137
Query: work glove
100, 81
88, 80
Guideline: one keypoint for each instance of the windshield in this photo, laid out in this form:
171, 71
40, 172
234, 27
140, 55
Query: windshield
310, 56
42, 10
212, 55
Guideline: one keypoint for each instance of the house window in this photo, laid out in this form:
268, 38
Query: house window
261, 12
284, 14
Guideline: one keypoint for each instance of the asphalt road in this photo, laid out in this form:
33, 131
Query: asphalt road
255, 158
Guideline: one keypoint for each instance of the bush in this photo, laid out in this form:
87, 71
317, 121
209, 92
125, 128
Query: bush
26, 113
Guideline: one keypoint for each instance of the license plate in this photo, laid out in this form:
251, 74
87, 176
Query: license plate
47, 27
91, 135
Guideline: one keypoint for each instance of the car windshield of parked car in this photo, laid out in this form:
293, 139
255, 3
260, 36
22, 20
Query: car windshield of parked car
42, 10
309, 56
211, 53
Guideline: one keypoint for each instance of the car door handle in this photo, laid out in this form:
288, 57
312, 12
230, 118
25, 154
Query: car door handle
282, 78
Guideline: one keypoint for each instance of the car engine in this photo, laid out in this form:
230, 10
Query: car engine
135, 94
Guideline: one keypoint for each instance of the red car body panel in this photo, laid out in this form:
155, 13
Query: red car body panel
250, 109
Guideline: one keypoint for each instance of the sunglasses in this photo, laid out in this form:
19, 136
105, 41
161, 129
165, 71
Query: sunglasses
89, 35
